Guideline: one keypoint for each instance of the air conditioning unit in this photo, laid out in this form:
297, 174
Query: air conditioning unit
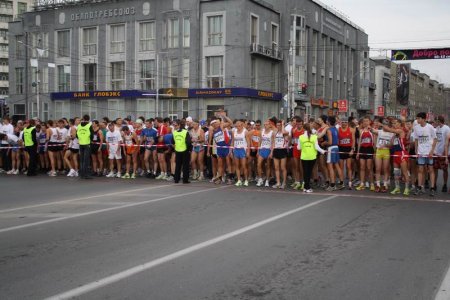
330, 75
322, 72
313, 69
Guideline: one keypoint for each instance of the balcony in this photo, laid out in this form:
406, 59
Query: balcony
269, 52
6, 11
4, 69
4, 83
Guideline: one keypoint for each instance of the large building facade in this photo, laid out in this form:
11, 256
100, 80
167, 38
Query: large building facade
186, 58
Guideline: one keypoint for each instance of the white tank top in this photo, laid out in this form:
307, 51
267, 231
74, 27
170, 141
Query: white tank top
54, 136
128, 139
74, 144
240, 140
280, 141
266, 139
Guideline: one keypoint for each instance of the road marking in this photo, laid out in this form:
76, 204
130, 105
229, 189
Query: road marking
444, 290
151, 264
81, 198
103, 210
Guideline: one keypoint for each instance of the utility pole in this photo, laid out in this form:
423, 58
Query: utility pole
26, 76
157, 85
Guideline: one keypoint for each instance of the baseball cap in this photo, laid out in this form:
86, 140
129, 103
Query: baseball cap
139, 121
189, 119
202, 123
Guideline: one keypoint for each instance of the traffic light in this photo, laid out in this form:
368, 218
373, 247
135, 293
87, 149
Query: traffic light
303, 89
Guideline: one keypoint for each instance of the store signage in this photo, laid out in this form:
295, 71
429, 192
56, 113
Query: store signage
234, 92
319, 102
343, 105
102, 14
404, 112
380, 111
414, 54
100, 94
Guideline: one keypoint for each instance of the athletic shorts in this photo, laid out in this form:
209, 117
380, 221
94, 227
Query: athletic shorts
295, 152
240, 153
383, 154
344, 152
161, 149
400, 157
55, 147
439, 163
253, 152
15, 148
197, 149
223, 152
42, 149
74, 151
412, 154
94, 148
289, 153
366, 153
114, 154
280, 153
264, 153
333, 155
141, 150
425, 160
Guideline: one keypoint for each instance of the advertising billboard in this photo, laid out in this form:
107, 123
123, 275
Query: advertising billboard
415, 54
403, 77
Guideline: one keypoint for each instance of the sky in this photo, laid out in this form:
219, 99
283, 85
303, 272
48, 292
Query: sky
403, 24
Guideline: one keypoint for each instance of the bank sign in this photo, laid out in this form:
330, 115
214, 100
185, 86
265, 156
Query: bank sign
101, 94
416, 54
234, 92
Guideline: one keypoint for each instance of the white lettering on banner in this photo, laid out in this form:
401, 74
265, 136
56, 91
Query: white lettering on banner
107, 13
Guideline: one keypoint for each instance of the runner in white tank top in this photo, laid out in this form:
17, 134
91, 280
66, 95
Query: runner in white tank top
241, 152
264, 153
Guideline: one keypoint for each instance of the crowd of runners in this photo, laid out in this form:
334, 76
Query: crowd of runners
381, 154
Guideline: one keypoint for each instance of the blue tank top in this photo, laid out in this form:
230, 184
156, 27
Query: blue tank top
334, 136
219, 138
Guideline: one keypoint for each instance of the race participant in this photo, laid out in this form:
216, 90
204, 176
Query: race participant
322, 129
161, 148
56, 137
219, 134
71, 155
138, 126
254, 133
442, 132
365, 154
170, 153
114, 143
42, 149
198, 153
241, 150
5, 128
425, 143
264, 153
382, 155
105, 154
96, 149
401, 156
12, 141
297, 169
130, 142
280, 142
149, 137
346, 145
332, 142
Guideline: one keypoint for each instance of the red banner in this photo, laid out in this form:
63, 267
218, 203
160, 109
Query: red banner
380, 111
404, 112
343, 105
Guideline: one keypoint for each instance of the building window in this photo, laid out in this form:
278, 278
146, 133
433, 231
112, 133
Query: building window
89, 107
254, 29
185, 107
117, 39
275, 36
147, 71
215, 34
173, 72
62, 109
186, 62
147, 37
63, 79
39, 40
214, 71
118, 75
63, 43
44, 80
116, 108
33, 108
90, 41
145, 107
19, 80
186, 32
4, 34
19, 109
90, 77
45, 111
20, 47
173, 32
21, 8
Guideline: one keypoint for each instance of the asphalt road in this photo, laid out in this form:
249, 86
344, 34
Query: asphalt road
146, 239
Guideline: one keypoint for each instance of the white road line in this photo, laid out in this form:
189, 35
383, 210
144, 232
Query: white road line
444, 290
81, 198
103, 210
151, 264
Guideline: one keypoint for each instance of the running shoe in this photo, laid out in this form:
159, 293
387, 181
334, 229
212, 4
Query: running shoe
126, 176
76, 174
160, 176
406, 192
52, 174
133, 176
118, 175
10, 172
419, 191
331, 188
444, 188
16, 172
2, 171
267, 183
432, 192
309, 191
361, 187
111, 174
260, 182
283, 186
396, 191
372, 187
170, 178
340, 186
276, 186
384, 189
246, 183
377, 189
239, 183
294, 184
71, 173
201, 177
